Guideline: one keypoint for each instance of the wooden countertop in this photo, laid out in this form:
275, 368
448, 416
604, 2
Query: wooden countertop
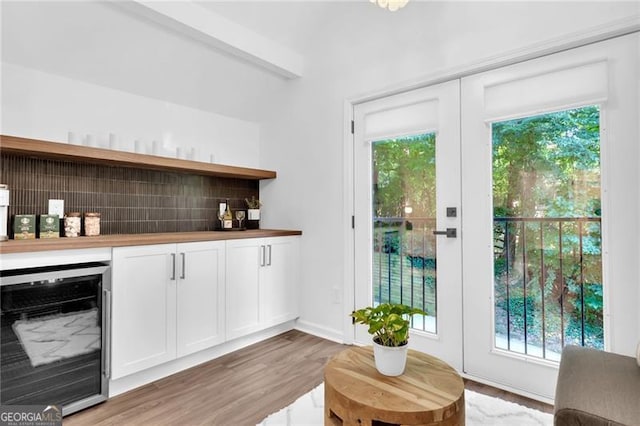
27, 246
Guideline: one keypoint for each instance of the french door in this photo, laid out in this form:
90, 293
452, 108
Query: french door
540, 186
549, 187
407, 174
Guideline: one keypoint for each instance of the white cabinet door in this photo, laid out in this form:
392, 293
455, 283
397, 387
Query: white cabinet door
279, 280
168, 301
143, 309
262, 283
200, 295
242, 290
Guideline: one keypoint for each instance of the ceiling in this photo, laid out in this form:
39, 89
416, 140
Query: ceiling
291, 23
105, 43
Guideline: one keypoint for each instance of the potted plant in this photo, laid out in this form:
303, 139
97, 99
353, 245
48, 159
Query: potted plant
253, 205
389, 325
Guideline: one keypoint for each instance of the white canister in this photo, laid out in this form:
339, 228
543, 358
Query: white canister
4, 212
91, 224
72, 224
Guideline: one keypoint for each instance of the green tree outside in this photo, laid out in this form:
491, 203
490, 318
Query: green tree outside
548, 167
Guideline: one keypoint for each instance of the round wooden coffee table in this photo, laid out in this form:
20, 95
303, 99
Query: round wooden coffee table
429, 392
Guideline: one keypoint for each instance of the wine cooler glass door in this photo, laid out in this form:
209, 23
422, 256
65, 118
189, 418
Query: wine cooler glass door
54, 329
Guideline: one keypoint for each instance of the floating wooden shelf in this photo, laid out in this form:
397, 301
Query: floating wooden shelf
64, 151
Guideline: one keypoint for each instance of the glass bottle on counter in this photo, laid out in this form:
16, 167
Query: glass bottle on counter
228, 218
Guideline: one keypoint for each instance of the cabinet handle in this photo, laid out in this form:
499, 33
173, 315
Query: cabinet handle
106, 329
269, 261
261, 255
184, 266
173, 266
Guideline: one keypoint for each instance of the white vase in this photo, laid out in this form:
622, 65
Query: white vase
253, 214
390, 361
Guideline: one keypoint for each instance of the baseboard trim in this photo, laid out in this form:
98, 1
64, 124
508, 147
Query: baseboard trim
319, 331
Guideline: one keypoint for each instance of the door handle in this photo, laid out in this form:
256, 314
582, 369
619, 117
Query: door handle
106, 359
184, 266
173, 267
262, 257
269, 261
450, 232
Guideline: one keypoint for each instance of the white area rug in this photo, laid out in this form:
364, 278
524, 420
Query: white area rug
52, 338
481, 410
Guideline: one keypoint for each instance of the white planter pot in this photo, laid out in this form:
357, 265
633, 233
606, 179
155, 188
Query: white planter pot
253, 214
390, 361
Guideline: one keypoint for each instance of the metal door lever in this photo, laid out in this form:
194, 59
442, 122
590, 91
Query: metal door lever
450, 233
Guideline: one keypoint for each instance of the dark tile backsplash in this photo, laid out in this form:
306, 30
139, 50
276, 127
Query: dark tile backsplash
131, 201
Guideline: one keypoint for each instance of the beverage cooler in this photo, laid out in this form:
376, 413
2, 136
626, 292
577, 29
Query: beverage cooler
54, 347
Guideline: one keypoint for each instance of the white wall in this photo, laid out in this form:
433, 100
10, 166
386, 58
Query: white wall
45, 106
102, 43
365, 50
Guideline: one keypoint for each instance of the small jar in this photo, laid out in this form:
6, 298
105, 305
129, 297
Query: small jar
72, 224
91, 224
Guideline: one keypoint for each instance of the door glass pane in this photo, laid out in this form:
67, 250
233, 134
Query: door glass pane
547, 233
404, 206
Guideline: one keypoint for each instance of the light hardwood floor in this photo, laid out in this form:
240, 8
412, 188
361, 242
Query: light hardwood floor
240, 388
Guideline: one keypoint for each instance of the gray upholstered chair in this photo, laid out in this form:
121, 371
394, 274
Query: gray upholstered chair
597, 388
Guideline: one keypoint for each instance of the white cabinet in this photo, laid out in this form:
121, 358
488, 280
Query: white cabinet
172, 300
243, 298
168, 301
262, 284
200, 296
279, 281
143, 319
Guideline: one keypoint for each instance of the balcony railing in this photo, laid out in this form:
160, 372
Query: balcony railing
547, 279
404, 266
547, 284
